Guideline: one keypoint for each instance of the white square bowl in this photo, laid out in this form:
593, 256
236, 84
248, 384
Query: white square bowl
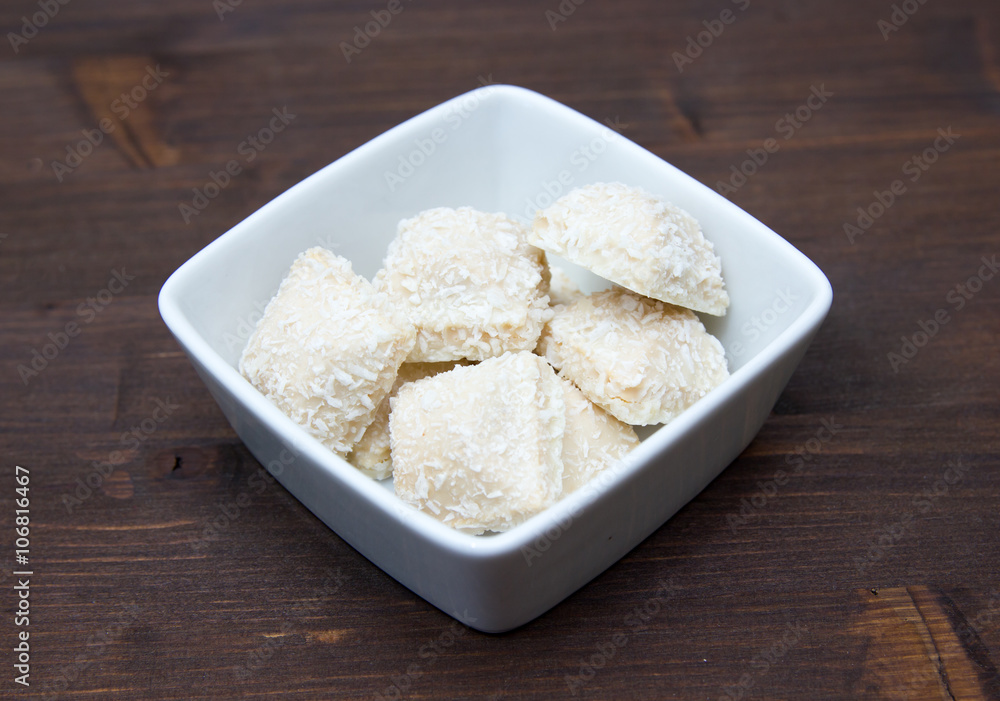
498, 149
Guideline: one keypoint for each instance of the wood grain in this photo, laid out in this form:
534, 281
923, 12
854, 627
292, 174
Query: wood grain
858, 579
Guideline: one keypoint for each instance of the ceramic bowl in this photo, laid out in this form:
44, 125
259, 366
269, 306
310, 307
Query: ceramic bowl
499, 149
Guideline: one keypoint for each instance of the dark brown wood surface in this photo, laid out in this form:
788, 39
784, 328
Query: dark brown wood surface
874, 572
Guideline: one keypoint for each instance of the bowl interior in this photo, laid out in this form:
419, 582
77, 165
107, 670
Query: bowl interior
498, 148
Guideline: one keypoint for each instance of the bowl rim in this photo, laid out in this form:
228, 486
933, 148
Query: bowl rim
571, 506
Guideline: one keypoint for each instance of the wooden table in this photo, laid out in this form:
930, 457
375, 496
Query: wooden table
872, 572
